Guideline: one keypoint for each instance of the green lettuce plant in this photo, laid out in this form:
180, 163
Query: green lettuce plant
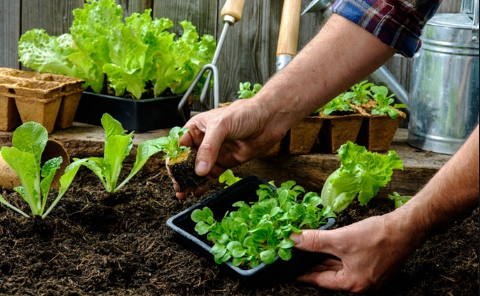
260, 231
117, 147
340, 103
362, 173
380, 94
29, 141
245, 90
361, 92
228, 178
131, 54
399, 199
171, 144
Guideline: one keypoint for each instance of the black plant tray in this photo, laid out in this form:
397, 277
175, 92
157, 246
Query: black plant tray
219, 203
134, 115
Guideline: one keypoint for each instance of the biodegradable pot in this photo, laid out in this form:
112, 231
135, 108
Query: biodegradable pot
302, 136
9, 116
377, 131
221, 202
68, 108
134, 115
43, 111
9, 178
40, 97
338, 130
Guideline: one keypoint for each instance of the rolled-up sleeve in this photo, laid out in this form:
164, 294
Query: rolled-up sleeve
396, 23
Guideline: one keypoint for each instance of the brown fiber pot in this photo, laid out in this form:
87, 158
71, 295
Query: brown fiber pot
377, 131
9, 178
68, 108
302, 136
43, 111
9, 117
338, 130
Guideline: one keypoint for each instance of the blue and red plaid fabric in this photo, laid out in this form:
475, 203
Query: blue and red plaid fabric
396, 23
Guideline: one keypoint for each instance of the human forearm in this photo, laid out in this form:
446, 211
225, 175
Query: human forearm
338, 57
453, 190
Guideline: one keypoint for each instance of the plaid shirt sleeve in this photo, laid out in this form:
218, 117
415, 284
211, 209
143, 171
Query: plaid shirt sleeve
397, 23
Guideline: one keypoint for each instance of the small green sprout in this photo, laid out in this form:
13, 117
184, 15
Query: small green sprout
260, 231
361, 94
228, 178
384, 101
246, 92
399, 200
340, 103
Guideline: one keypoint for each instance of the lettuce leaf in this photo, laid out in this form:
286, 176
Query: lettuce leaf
362, 173
45, 53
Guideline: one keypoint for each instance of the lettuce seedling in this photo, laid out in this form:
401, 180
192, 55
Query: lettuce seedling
246, 92
228, 178
361, 92
340, 103
384, 101
259, 232
29, 141
361, 173
117, 148
399, 200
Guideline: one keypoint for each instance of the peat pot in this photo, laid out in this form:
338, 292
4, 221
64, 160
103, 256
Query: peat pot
220, 202
444, 96
134, 115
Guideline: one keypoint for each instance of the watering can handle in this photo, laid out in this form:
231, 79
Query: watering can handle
475, 16
289, 27
233, 8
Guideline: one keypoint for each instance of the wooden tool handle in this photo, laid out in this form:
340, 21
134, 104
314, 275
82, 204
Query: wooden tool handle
233, 8
288, 36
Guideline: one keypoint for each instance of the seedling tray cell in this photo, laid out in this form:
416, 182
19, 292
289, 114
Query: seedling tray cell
221, 202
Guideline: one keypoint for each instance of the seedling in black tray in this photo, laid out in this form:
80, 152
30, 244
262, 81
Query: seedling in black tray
254, 272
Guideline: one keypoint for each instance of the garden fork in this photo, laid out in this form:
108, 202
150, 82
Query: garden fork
231, 13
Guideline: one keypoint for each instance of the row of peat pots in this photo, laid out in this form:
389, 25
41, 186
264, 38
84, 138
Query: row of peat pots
326, 133
48, 99
55, 101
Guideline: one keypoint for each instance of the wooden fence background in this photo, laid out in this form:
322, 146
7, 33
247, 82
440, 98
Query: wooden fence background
249, 52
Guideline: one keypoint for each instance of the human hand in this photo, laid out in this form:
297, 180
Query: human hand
371, 252
229, 136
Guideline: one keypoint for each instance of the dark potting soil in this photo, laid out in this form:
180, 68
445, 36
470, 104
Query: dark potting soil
95, 244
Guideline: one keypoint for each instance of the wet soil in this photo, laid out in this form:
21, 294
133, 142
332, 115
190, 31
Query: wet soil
95, 244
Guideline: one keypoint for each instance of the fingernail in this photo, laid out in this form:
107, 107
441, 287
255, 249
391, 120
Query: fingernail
201, 168
296, 237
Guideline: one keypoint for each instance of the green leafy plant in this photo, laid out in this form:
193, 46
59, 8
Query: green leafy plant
131, 54
245, 90
380, 94
399, 200
361, 92
361, 173
340, 103
170, 144
117, 148
259, 232
29, 141
228, 178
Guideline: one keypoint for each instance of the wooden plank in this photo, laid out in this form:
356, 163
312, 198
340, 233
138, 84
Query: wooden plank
131, 6
9, 33
249, 52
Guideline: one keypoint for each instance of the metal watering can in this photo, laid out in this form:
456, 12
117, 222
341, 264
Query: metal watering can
444, 101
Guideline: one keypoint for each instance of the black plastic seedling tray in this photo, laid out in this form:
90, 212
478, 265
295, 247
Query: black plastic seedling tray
134, 115
221, 202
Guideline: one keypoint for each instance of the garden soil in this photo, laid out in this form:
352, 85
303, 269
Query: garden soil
95, 244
